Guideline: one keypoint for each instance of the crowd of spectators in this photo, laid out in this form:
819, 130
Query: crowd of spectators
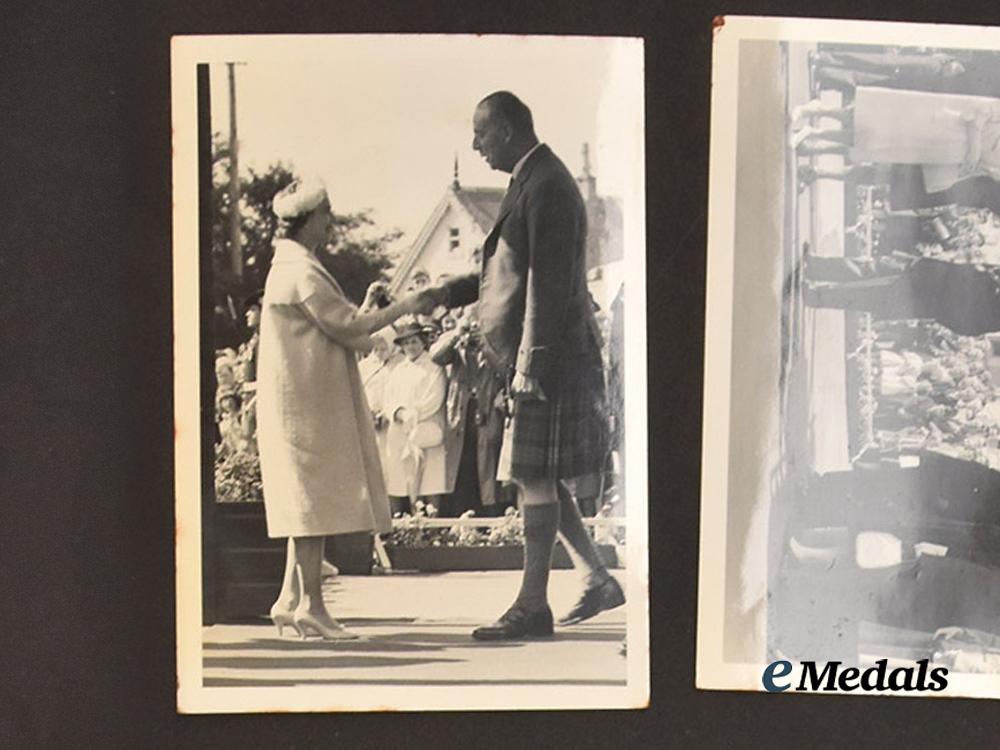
438, 409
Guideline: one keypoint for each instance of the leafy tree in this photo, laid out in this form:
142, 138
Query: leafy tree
356, 255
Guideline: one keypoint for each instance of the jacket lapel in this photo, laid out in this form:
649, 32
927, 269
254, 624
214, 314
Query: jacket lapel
509, 199
511, 196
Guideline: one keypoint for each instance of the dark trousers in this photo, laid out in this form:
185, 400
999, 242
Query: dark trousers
959, 296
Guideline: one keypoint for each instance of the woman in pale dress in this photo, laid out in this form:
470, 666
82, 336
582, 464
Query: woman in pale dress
375, 369
319, 464
413, 404
951, 136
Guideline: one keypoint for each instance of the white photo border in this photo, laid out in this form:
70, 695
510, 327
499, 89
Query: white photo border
713, 672
192, 697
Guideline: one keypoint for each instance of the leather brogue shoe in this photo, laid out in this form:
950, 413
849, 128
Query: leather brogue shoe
595, 600
517, 624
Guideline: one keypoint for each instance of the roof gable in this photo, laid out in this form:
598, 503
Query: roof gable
480, 203
483, 204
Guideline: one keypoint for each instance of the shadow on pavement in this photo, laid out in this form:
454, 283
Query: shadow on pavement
315, 662
369, 643
277, 682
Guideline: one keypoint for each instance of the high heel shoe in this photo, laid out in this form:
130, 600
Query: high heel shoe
305, 621
803, 112
799, 137
283, 618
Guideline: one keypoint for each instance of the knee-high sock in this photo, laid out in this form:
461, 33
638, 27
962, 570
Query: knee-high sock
576, 535
876, 295
540, 525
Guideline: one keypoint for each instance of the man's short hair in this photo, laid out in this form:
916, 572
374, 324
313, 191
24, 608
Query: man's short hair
507, 106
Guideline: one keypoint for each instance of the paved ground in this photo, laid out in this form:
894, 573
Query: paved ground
416, 632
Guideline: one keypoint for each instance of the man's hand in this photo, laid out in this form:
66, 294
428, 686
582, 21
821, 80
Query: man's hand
417, 303
426, 302
436, 294
474, 335
526, 388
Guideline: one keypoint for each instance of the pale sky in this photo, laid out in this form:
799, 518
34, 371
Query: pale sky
381, 118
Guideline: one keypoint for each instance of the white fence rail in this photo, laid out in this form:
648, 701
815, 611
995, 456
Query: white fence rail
487, 523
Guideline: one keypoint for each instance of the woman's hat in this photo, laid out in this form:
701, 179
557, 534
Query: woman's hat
408, 329
430, 326
299, 198
224, 393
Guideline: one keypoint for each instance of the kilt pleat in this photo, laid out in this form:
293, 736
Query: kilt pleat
563, 437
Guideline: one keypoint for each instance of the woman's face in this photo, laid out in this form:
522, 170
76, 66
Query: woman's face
320, 223
381, 348
412, 346
224, 374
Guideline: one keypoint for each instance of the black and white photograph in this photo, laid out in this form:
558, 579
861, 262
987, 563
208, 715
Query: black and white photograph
409, 297
851, 455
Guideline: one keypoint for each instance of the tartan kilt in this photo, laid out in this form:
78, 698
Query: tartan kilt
565, 437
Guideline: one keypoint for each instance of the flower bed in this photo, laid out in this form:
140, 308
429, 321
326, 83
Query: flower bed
237, 478
511, 557
417, 542
426, 543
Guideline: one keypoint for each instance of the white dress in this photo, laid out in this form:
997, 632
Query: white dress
374, 374
419, 387
896, 126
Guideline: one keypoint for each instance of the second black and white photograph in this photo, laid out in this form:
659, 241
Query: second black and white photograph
854, 259
408, 279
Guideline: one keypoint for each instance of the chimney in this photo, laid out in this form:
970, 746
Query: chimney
586, 180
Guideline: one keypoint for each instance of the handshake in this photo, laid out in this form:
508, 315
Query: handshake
426, 300
423, 302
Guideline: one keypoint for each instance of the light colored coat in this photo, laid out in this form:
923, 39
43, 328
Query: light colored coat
895, 126
374, 373
419, 387
319, 463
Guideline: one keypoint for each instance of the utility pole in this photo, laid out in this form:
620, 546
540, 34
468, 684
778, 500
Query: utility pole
235, 230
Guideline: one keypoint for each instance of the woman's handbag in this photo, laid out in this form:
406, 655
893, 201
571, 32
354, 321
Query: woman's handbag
423, 436
427, 435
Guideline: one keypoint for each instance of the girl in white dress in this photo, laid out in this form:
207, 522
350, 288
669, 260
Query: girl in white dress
413, 404
951, 136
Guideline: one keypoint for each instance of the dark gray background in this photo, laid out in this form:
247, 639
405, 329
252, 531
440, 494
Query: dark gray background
86, 543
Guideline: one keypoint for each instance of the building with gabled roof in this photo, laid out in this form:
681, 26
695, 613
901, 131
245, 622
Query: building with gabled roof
449, 242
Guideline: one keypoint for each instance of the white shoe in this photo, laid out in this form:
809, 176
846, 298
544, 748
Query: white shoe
329, 570
813, 108
329, 630
799, 136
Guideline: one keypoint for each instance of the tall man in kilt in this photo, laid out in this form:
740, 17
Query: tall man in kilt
539, 332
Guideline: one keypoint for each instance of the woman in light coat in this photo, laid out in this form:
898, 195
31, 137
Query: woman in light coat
375, 369
951, 136
319, 464
413, 404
